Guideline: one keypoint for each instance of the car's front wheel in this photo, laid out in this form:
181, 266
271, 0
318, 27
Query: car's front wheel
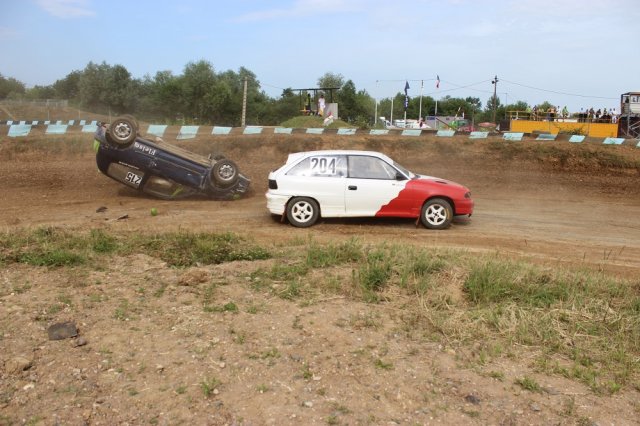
302, 212
224, 172
437, 213
123, 131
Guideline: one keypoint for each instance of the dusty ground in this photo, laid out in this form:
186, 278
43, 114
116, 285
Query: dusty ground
277, 361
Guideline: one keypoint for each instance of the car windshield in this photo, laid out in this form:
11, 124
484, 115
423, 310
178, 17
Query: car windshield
405, 170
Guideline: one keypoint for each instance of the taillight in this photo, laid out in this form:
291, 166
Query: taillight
273, 184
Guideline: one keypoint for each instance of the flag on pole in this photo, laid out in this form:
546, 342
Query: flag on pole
437, 81
406, 96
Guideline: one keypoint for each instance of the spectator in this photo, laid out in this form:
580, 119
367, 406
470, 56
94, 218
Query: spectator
321, 105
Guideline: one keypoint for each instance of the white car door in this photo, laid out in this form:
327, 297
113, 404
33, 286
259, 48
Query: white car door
322, 177
371, 184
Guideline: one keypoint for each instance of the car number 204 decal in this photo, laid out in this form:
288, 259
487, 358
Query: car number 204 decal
133, 179
323, 165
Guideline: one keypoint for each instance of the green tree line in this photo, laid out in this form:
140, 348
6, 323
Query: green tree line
200, 95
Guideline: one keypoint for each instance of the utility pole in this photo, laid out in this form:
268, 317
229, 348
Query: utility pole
244, 103
495, 87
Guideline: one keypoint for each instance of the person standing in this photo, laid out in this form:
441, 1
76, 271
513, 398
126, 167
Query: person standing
321, 105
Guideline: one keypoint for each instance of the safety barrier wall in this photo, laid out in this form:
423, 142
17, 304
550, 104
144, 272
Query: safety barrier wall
23, 128
596, 130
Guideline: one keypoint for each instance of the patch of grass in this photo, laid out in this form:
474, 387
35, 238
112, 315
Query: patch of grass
529, 384
379, 363
55, 247
209, 385
499, 281
322, 256
103, 243
374, 274
190, 249
227, 307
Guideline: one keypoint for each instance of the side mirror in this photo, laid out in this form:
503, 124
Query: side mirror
400, 176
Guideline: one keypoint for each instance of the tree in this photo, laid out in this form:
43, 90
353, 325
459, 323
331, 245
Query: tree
331, 80
68, 87
103, 86
10, 87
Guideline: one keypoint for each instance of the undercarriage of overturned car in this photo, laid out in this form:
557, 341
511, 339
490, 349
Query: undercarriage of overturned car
163, 170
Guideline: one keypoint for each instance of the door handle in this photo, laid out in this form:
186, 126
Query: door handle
352, 187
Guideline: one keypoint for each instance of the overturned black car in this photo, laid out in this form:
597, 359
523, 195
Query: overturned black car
163, 170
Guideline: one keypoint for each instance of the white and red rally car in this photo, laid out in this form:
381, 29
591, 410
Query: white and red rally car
361, 184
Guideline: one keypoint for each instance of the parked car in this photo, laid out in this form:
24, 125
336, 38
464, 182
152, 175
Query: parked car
325, 184
160, 169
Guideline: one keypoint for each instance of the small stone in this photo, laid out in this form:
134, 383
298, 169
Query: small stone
17, 365
80, 341
308, 404
28, 386
222, 365
159, 368
535, 407
471, 398
62, 330
216, 391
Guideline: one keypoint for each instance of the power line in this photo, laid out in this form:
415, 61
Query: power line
556, 92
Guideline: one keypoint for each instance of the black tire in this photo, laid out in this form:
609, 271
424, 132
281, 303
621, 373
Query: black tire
224, 173
123, 131
133, 120
302, 212
436, 213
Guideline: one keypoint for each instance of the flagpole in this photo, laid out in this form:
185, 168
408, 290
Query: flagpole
420, 110
435, 121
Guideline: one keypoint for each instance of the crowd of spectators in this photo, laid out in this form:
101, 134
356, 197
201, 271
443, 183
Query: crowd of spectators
588, 115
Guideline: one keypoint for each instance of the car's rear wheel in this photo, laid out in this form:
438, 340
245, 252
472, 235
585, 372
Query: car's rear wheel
123, 131
437, 213
224, 172
303, 212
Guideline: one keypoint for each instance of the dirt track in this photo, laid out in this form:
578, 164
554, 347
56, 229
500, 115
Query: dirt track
553, 206
277, 361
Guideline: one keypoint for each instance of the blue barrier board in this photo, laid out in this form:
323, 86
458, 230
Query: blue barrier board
478, 135
188, 132
221, 130
315, 130
613, 141
576, 138
56, 129
379, 132
283, 130
546, 137
16, 130
513, 136
445, 133
252, 130
346, 131
157, 129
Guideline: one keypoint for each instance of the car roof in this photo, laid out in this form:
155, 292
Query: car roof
299, 155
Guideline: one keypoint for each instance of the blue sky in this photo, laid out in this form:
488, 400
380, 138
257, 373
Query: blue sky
579, 53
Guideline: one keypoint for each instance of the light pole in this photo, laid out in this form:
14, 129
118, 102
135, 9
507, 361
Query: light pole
495, 86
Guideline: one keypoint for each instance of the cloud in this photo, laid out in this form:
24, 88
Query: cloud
304, 8
67, 8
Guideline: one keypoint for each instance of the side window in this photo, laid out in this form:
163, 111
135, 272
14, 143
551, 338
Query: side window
365, 167
321, 166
